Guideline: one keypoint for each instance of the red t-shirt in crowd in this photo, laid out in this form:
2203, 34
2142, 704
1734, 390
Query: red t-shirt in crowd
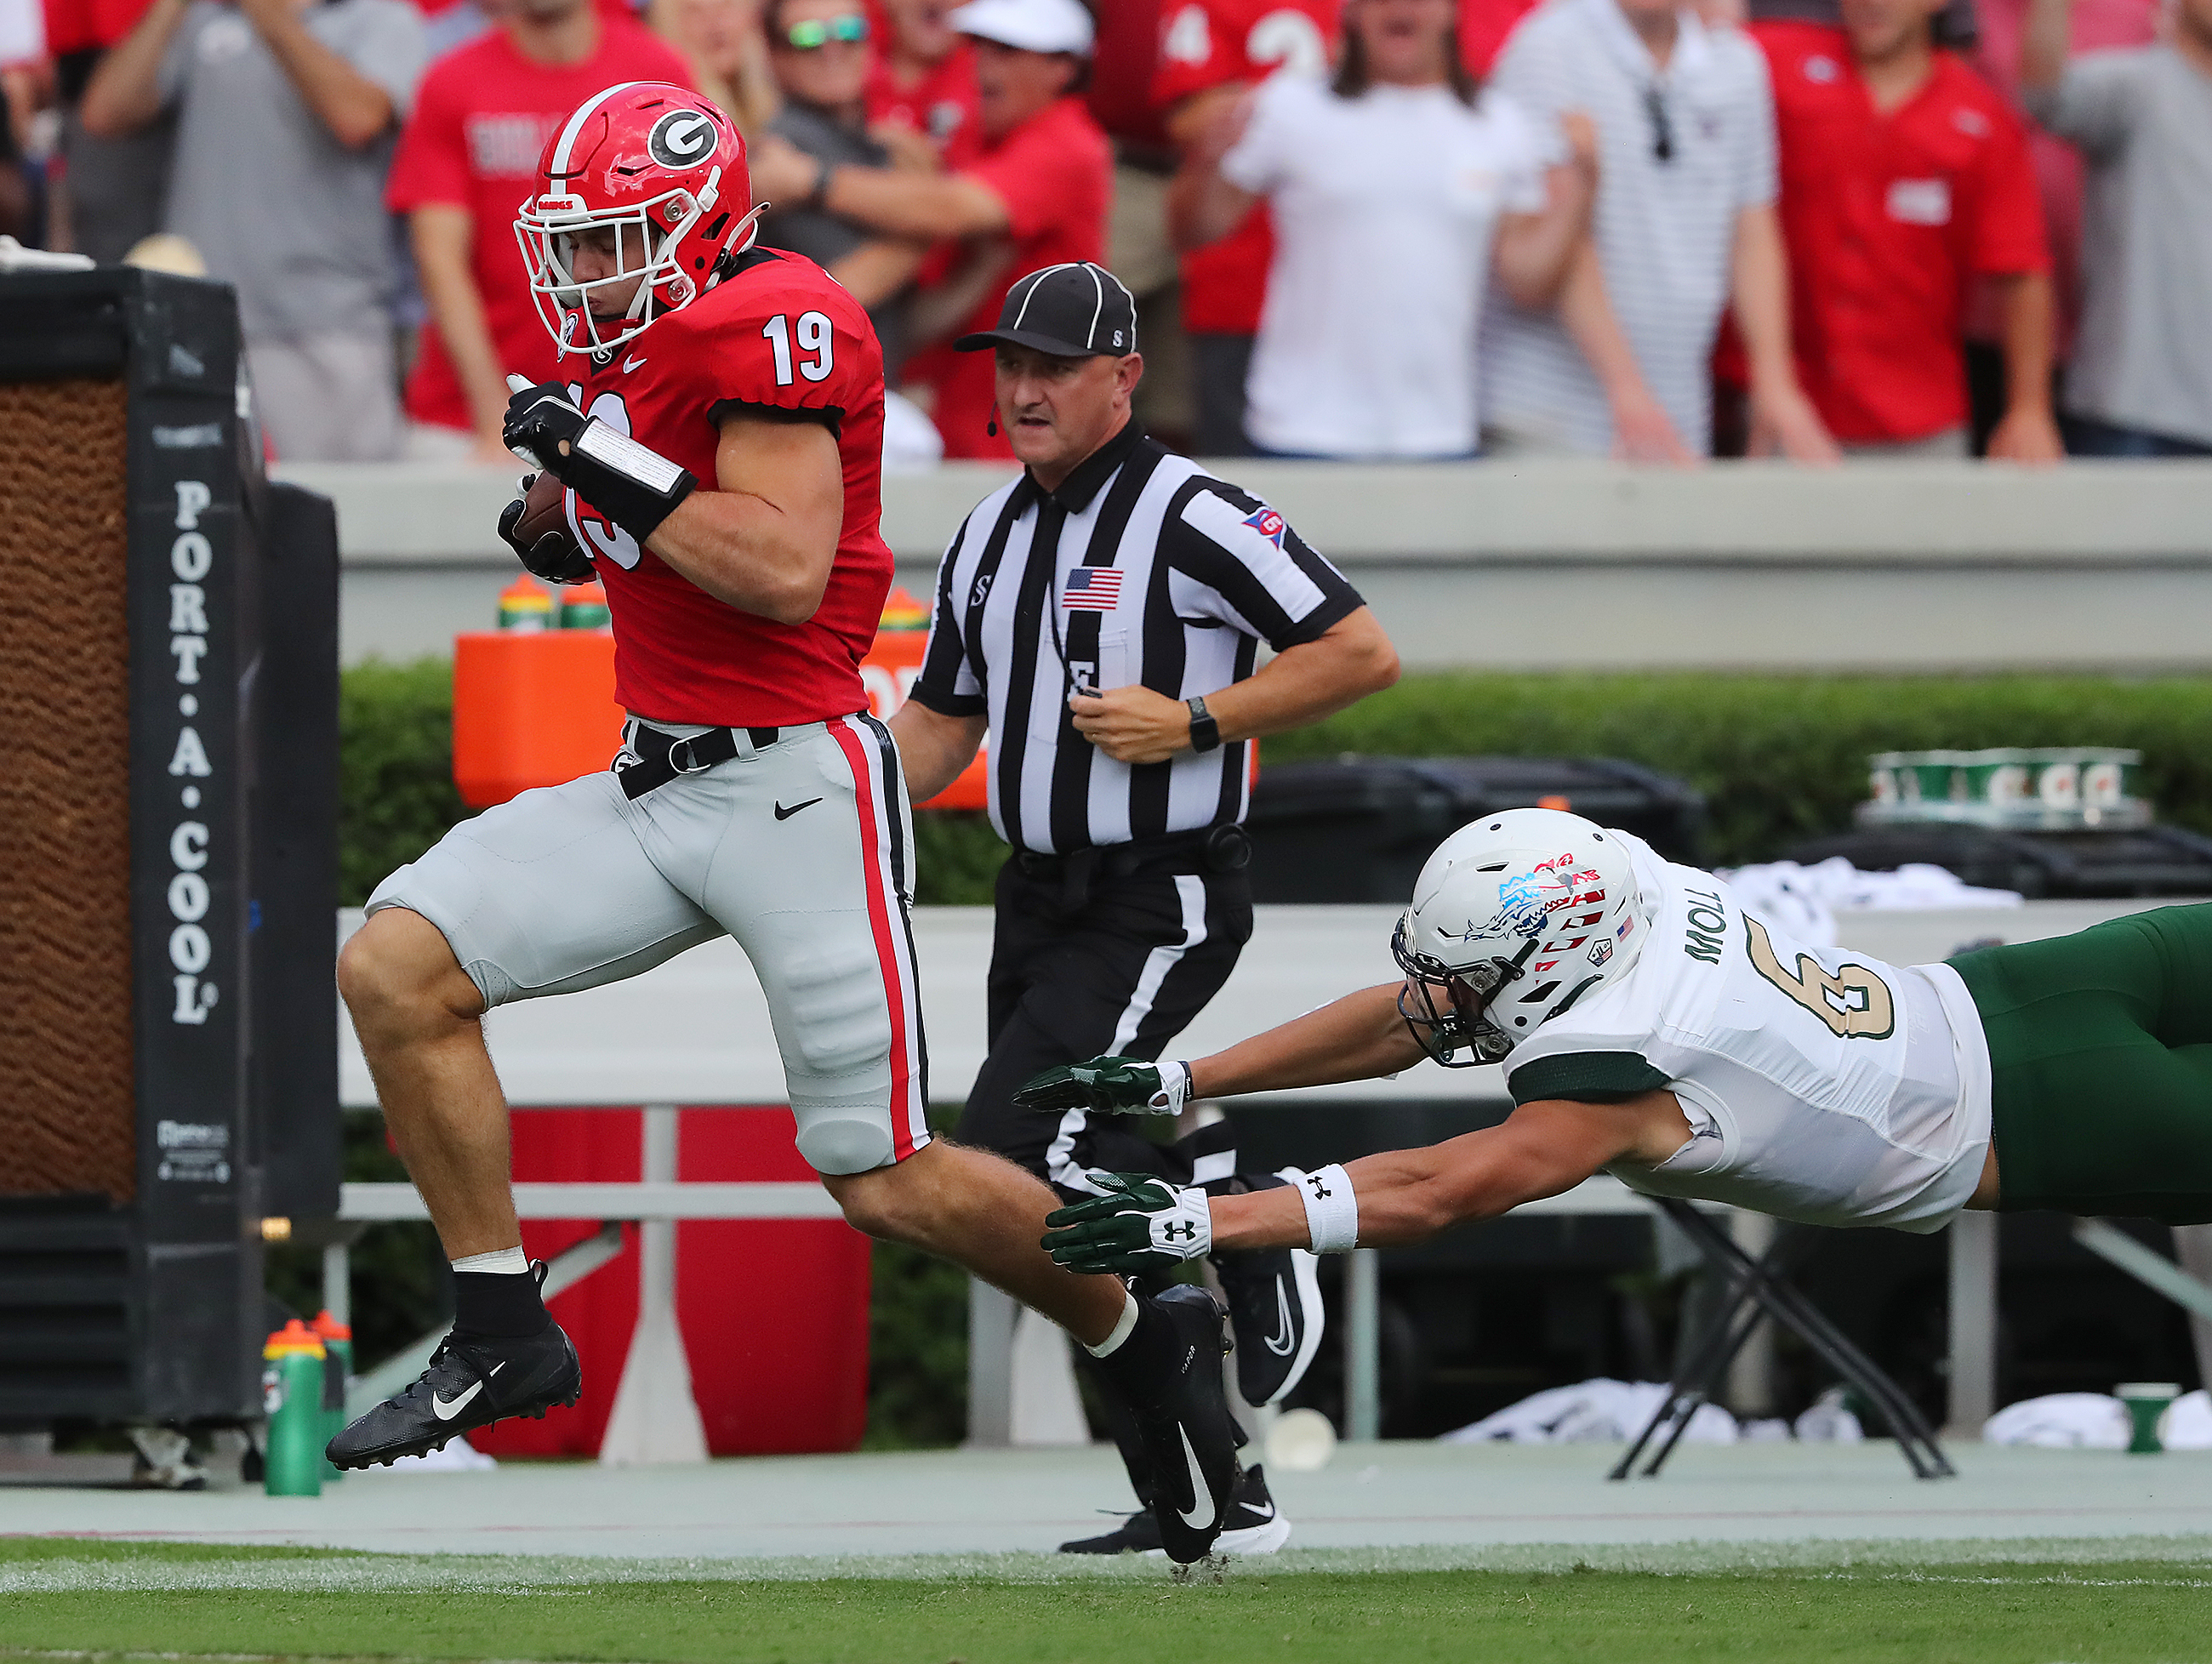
1122, 67
1055, 175
1484, 28
1205, 44
76, 26
943, 103
1889, 219
779, 335
481, 120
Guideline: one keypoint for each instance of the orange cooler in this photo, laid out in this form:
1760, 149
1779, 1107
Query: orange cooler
890, 670
537, 708
533, 708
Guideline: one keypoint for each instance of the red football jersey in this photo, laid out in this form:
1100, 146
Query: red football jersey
779, 335
481, 119
1205, 44
1889, 219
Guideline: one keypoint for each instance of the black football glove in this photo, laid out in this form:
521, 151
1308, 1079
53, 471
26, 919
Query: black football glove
555, 556
634, 487
1137, 1225
1109, 1086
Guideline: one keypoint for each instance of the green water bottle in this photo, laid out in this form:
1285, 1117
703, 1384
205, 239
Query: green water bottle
337, 1367
583, 606
292, 1396
525, 606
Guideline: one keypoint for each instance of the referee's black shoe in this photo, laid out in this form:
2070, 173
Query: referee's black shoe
1255, 1526
1169, 1371
473, 1381
1274, 1309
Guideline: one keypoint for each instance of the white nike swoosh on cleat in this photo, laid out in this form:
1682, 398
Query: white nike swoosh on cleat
1258, 1512
446, 1409
1285, 1339
1199, 1492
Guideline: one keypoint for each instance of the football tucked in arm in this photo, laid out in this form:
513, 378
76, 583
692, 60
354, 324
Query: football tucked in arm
536, 526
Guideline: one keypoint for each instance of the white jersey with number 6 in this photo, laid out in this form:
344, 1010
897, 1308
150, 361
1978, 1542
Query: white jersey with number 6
1820, 1085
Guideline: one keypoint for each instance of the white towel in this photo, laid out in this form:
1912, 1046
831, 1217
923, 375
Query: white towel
1599, 1411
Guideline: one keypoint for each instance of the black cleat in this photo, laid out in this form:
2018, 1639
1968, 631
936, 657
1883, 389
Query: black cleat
473, 1381
1255, 1526
1181, 1415
1138, 1534
1274, 1311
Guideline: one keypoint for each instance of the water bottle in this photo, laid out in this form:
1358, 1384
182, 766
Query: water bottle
525, 606
292, 1397
583, 606
337, 1367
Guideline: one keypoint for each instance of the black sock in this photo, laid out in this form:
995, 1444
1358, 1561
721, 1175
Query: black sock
499, 1304
1145, 1365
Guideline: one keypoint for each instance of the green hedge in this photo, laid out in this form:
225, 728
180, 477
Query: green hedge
1780, 758
395, 795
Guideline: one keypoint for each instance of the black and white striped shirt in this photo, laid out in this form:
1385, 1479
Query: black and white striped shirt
1139, 568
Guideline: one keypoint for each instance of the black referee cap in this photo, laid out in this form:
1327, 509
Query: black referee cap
1072, 311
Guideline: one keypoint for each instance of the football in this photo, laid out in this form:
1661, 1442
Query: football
544, 510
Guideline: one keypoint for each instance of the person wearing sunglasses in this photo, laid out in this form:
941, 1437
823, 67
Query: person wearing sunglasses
821, 53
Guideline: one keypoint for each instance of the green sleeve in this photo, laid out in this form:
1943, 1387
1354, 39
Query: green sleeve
1584, 1077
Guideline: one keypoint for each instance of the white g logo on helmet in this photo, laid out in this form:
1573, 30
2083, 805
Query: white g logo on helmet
681, 138
1514, 917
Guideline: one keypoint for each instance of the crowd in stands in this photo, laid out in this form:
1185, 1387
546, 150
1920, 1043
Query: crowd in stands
1656, 229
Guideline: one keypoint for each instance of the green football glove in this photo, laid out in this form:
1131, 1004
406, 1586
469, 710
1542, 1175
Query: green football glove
1138, 1224
1110, 1086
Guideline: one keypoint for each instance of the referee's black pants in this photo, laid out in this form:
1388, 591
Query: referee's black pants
1085, 962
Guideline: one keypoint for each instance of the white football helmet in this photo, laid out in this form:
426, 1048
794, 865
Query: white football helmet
1515, 917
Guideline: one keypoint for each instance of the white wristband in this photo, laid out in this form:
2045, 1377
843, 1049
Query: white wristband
1331, 1210
1175, 1089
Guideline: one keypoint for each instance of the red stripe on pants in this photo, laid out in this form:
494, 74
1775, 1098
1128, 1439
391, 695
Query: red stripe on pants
904, 1141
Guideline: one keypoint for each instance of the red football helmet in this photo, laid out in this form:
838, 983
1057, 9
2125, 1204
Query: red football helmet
662, 169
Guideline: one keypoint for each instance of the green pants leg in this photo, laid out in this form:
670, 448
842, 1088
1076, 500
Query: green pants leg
2101, 1058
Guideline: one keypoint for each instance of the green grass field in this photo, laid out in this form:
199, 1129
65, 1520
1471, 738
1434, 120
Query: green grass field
63, 1598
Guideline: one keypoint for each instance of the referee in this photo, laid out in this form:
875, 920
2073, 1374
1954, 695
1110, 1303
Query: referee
1097, 621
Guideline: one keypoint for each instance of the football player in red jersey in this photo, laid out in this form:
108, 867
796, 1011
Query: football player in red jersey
719, 453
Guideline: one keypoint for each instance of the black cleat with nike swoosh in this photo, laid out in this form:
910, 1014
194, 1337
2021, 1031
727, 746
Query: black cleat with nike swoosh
473, 1381
1180, 1405
1274, 1310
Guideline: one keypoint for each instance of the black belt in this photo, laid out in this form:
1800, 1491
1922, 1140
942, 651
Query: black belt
662, 757
1209, 849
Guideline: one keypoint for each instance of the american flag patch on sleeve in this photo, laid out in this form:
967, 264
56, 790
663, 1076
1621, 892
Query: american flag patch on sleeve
1092, 589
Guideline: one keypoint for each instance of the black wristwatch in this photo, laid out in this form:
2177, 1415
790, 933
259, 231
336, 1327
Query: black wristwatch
818, 198
1205, 731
